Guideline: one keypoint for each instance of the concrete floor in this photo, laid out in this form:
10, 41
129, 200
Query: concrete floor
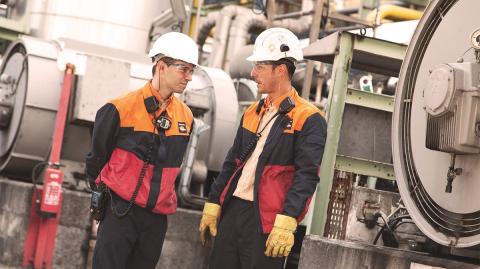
181, 249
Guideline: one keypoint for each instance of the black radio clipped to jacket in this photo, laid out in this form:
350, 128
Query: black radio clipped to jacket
285, 106
98, 202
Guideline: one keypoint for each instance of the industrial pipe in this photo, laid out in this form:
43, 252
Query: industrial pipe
394, 13
238, 34
233, 25
223, 23
204, 30
186, 174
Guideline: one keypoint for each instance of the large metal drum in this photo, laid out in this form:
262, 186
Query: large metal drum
30, 83
443, 36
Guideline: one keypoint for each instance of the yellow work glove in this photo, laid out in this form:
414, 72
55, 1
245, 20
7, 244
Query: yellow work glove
208, 223
280, 241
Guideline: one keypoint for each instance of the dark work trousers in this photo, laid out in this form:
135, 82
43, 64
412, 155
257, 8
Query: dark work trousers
132, 241
239, 243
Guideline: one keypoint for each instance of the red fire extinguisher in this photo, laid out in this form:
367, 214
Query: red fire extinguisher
42, 224
52, 192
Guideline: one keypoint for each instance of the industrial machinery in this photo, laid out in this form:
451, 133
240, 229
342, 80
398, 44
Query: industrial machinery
436, 119
30, 92
109, 61
434, 135
31, 76
436, 124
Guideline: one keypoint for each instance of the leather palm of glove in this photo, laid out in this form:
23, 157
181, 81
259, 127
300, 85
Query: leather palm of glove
208, 223
280, 240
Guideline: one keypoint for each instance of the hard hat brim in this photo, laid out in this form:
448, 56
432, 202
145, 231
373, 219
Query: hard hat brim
257, 58
252, 58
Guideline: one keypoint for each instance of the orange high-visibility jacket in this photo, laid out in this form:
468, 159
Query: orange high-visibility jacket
287, 170
122, 136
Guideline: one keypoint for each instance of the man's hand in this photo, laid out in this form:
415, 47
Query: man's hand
281, 238
208, 223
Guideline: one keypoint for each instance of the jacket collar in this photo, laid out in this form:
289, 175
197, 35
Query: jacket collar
148, 91
276, 101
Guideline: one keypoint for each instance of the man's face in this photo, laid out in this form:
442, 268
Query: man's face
177, 75
264, 74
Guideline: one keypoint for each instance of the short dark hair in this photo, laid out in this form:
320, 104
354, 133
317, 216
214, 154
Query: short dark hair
167, 60
288, 63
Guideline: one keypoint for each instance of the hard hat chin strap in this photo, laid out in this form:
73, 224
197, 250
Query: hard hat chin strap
158, 79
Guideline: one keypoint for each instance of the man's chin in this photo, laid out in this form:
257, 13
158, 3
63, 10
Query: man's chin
261, 90
180, 90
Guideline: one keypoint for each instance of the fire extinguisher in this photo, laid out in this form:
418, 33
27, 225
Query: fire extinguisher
52, 192
46, 204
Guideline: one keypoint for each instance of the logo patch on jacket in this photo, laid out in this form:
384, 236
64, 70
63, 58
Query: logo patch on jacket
182, 127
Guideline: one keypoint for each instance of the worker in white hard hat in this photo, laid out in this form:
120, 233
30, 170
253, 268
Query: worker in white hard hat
138, 145
271, 171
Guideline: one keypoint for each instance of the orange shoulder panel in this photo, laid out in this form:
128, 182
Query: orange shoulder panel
251, 119
303, 109
133, 113
181, 117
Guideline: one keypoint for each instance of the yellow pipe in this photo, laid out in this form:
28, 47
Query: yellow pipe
193, 21
394, 13
191, 30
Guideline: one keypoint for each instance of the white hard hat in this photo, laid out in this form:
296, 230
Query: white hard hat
177, 46
274, 44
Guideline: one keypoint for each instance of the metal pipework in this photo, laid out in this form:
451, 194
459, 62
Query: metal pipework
204, 30
185, 180
239, 31
233, 25
392, 12
222, 25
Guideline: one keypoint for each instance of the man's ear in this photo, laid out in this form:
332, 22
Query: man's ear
161, 66
282, 70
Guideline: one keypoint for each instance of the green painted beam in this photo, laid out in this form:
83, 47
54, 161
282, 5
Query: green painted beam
11, 29
364, 167
336, 106
8, 35
15, 26
380, 47
369, 54
370, 100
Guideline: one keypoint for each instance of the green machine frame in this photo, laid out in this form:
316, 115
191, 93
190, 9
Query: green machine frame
13, 26
346, 50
